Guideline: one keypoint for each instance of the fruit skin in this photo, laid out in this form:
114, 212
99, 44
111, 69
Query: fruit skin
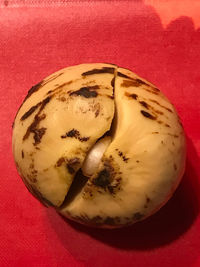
141, 167
55, 127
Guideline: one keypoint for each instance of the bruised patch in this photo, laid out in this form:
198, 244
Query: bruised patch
75, 134
87, 92
113, 82
22, 154
103, 179
107, 179
147, 115
99, 71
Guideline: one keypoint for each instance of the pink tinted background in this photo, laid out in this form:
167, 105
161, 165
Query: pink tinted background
42, 38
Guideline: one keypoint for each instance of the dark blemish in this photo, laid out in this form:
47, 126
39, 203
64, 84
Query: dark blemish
38, 133
173, 144
148, 199
124, 76
73, 165
154, 101
157, 111
103, 179
63, 99
155, 132
167, 125
30, 111
122, 156
99, 71
76, 134
110, 63
33, 89
160, 122
113, 82
137, 161
110, 96
22, 154
60, 162
152, 92
97, 113
138, 216
108, 118
59, 87
37, 148
86, 92
50, 91
70, 169
133, 82
33, 126
147, 115
134, 96
162, 142
175, 167
174, 135
144, 104
147, 202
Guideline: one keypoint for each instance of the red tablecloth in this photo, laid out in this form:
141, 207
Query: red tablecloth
159, 40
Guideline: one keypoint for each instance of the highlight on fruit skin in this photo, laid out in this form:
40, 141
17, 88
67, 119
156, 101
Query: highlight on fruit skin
102, 145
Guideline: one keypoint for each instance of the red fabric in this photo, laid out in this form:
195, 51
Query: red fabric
36, 41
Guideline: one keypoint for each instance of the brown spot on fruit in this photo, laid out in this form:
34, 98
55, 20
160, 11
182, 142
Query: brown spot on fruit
76, 134
147, 115
144, 104
87, 92
134, 96
99, 71
123, 76
113, 82
156, 102
30, 111
60, 162
103, 179
38, 133
175, 167
22, 154
120, 153
132, 82
73, 165
33, 89
147, 202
